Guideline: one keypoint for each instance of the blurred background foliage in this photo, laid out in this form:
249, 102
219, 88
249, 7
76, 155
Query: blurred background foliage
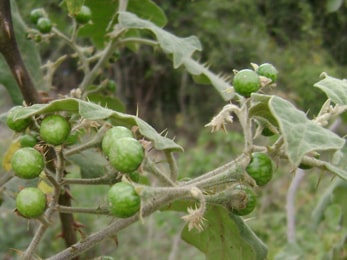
301, 38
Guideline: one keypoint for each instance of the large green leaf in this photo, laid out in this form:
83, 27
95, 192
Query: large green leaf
30, 56
300, 134
335, 89
93, 111
226, 236
181, 50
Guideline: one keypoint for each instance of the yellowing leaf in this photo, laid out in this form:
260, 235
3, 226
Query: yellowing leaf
45, 187
6, 162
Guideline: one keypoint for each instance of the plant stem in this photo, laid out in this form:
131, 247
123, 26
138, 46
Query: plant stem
153, 169
10, 51
97, 211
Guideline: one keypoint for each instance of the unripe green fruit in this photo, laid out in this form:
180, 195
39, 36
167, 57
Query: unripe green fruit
44, 25
112, 135
27, 141
260, 168
31, 202
19, 124
27, 163
84, 15
126, 154
246, 82
123, 201
55, 129
36, 14
250, 201
268, 70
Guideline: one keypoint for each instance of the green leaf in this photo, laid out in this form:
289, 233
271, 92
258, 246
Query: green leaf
92, 164
333, 5
93, 111
148, 10
181, 49
107, 101
225, 237
104, 17
260, 110
74, 6
300, 134
335, 89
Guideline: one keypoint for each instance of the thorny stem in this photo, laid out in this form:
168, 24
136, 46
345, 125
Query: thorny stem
71, 42
104, 180
239, 162
119, 224
153, 169
107, 52
172, 164
95, 211
91, 143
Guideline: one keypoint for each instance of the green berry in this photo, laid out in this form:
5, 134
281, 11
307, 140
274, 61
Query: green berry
268, 70
123, 201
126, 154
55, 129
27, 163
260, 168
17, 125
246, 82
84, 15
36, 14
113, 134
249, 203
27, 141
31, 202
44, 25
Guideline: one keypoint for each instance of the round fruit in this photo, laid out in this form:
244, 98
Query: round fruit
260, 168
111, 85
36, 14
250, 201
27, 141
31, 202
246, 82
44, 25
27, 163
19, 124
113, 134
126, 154
55, 129
268, 70
134, 176
84, 15
123, 201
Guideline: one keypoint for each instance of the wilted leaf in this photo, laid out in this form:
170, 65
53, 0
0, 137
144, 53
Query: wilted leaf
6, 161
225, 237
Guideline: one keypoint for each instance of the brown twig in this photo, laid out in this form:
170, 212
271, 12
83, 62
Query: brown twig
10, 51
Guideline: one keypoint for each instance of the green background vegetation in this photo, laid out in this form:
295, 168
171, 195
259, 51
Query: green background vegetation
300, 38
